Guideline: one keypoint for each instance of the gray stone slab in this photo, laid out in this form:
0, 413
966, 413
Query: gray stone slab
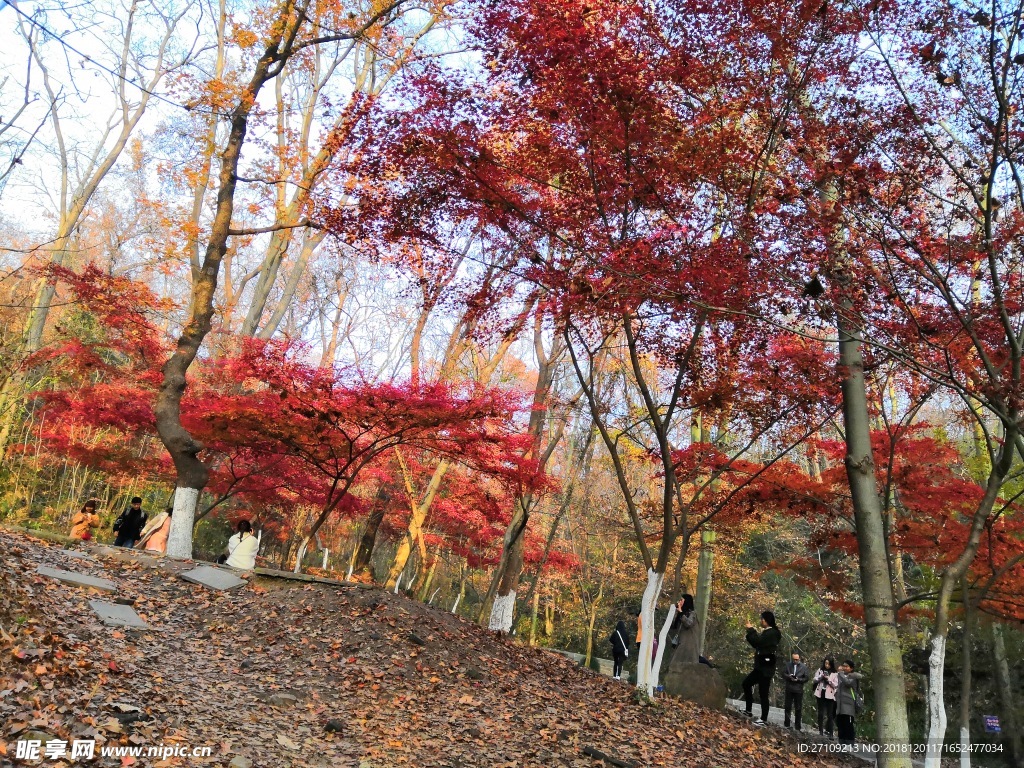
116, 615
77, 579
213, 578
77, 555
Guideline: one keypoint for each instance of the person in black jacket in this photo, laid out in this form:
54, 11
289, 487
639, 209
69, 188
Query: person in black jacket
129, 524
765, 646
620, 648
796, 675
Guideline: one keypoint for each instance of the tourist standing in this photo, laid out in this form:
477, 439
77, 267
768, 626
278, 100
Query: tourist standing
84, 521
826, 681
796, 675
129, 524
848, 701
766, 644
154, 535
686, 639
620, 649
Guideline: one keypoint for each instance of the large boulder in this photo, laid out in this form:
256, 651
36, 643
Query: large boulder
698, 683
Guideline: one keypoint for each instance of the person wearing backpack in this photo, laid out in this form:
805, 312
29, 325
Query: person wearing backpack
849, 701
129, 524
620, 649
765, 646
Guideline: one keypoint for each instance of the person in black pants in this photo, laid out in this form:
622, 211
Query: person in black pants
796, 676
129, 524
765, 646
847, 702
620, 649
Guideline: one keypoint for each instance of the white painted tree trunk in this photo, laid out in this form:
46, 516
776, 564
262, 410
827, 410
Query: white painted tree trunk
327, 553
348, 576
502, 610
662, 646
398, 582
457, 599
647, 609
965, 747
936, 705
301, 555
179, 540
431, 600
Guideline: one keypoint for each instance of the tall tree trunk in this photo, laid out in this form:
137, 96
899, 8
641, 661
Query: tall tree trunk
424, 590
192, 473
533, 617
705, 570
1007, 705
965, 683
592, 620
501, 595
950, 578
648, 606
876, 583
892, 729
510, 566
462, 589
417, 517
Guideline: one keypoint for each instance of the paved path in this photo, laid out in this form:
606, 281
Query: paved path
809, 734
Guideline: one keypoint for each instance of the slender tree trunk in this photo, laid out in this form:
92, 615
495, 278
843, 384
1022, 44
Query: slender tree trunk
533, 617
592, 621
192, 473
462, 590
648, 606
965, 683
951, 577
662, 647
417, 517
1008, 706
705, 570
506, 576
310, 242
424, 590
876, 583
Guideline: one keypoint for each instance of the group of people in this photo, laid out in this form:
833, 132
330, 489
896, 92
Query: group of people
133, 529
836, 689
684, 635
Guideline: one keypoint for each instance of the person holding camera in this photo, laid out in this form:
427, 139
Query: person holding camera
796, 676
686, 632
766, 644
848, 702
826, 680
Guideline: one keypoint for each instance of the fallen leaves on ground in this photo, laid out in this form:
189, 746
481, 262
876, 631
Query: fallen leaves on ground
317, 675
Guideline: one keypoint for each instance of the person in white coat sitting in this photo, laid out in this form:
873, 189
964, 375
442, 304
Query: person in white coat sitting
242, 548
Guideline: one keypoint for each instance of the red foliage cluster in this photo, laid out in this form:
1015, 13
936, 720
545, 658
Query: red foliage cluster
278, 433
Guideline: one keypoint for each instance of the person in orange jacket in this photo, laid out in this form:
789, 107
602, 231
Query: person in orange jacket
83, 522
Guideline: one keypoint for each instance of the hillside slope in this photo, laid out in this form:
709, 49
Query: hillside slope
267, 673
